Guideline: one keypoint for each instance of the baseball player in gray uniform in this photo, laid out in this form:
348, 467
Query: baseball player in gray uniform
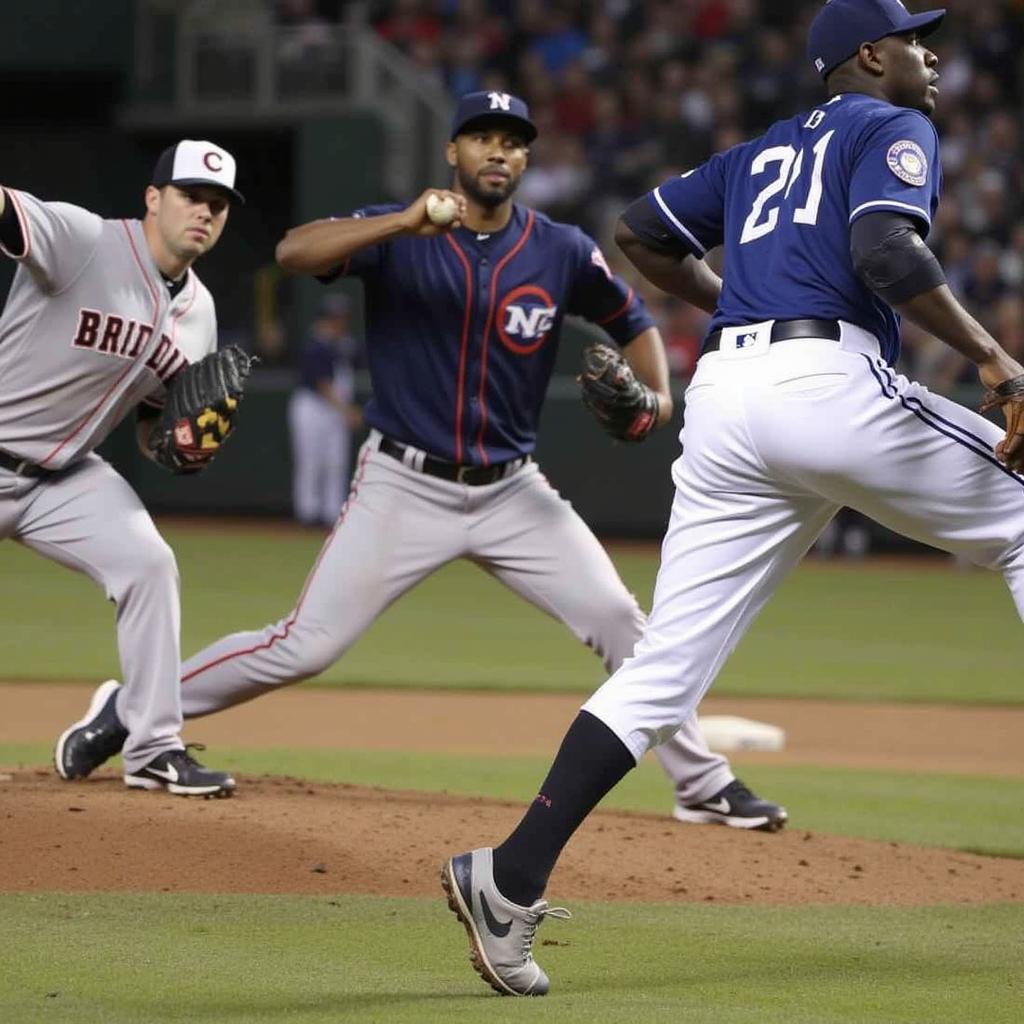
439, 480
101, 316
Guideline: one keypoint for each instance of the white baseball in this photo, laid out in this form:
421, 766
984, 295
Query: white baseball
441, 209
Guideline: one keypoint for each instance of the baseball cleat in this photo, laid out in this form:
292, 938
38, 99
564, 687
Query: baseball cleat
735, 806
500, 933
84, 746
180, 773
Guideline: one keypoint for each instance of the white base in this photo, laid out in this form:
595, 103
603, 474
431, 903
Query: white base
726, 733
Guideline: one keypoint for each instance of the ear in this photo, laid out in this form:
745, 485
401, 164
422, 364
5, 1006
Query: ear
869, 58
152, 200
452, 154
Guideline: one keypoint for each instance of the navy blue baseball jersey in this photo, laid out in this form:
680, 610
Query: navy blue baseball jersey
783, 204
462, 329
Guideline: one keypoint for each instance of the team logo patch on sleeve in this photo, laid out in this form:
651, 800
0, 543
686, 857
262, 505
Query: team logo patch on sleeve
907, 161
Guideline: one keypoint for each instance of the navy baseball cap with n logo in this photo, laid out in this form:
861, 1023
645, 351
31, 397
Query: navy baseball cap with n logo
842, 25
487, 106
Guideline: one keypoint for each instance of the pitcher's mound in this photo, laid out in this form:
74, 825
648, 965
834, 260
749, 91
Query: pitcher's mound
280, 835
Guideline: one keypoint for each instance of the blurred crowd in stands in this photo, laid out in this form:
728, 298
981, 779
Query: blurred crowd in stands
628, 92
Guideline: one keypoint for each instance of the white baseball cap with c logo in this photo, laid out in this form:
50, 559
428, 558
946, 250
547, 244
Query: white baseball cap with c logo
193, 162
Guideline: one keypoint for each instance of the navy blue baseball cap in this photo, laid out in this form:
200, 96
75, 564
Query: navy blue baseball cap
480, 106
842, 25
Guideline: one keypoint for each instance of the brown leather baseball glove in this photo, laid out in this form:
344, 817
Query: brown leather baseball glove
624, 406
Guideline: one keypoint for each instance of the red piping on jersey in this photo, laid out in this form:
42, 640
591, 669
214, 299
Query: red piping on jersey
26, 238
487, 331
142, 268
291, 620
618, 312
156, 309
464, 347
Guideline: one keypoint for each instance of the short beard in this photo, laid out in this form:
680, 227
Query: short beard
489, 199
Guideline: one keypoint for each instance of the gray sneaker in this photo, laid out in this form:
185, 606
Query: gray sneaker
500, 933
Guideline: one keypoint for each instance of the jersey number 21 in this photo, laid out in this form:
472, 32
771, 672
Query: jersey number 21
761, 221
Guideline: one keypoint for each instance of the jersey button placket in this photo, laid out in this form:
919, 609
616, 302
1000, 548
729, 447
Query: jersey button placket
473, 411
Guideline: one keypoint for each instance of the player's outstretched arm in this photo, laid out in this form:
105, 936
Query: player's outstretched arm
939, 313
322, 245
892, 259
672, 270
646, 355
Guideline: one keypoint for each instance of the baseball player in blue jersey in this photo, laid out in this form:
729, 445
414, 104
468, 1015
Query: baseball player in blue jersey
463, 321
795, 409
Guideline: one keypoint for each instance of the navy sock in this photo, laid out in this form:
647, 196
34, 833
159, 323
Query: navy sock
590, 762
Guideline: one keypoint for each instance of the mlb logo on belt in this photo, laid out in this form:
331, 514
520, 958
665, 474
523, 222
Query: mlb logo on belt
745, 341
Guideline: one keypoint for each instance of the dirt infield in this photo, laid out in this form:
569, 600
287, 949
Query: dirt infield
287, 835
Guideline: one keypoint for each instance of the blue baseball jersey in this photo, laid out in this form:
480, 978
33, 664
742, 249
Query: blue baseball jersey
782, 205
462, 329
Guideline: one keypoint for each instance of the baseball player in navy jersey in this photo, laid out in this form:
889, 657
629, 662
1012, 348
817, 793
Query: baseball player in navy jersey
101, 317
795, 409
463, 323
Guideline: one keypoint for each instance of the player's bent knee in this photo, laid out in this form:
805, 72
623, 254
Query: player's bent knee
614, 628
316, 653
150, 565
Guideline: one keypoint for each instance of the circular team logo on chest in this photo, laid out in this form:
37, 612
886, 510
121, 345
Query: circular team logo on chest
525, 316
907, 161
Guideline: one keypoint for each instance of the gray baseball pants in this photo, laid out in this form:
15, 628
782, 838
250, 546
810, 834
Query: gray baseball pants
89, 519
400, 525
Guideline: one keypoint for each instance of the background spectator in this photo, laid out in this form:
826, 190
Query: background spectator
627, 92
322, 415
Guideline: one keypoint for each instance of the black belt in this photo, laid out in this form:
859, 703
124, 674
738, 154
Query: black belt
474, 476
22, 467
785, 330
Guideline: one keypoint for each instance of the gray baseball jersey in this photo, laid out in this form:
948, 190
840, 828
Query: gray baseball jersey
88, 331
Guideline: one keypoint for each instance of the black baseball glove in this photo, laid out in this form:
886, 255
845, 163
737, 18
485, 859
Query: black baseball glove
625, 407
199, 411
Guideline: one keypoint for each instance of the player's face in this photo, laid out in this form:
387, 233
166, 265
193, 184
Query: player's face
189, 219
910, 72
488, 161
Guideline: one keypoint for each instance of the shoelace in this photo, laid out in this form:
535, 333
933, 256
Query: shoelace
188, 757
533, 923
738, 789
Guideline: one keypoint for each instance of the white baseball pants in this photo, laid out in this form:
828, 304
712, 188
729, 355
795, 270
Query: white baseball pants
321, 457
777, 438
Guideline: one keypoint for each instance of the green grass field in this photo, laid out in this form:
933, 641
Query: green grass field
898, 632
126, 959
834, 630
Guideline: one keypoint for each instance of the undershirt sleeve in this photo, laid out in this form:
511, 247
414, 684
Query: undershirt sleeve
11, 237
